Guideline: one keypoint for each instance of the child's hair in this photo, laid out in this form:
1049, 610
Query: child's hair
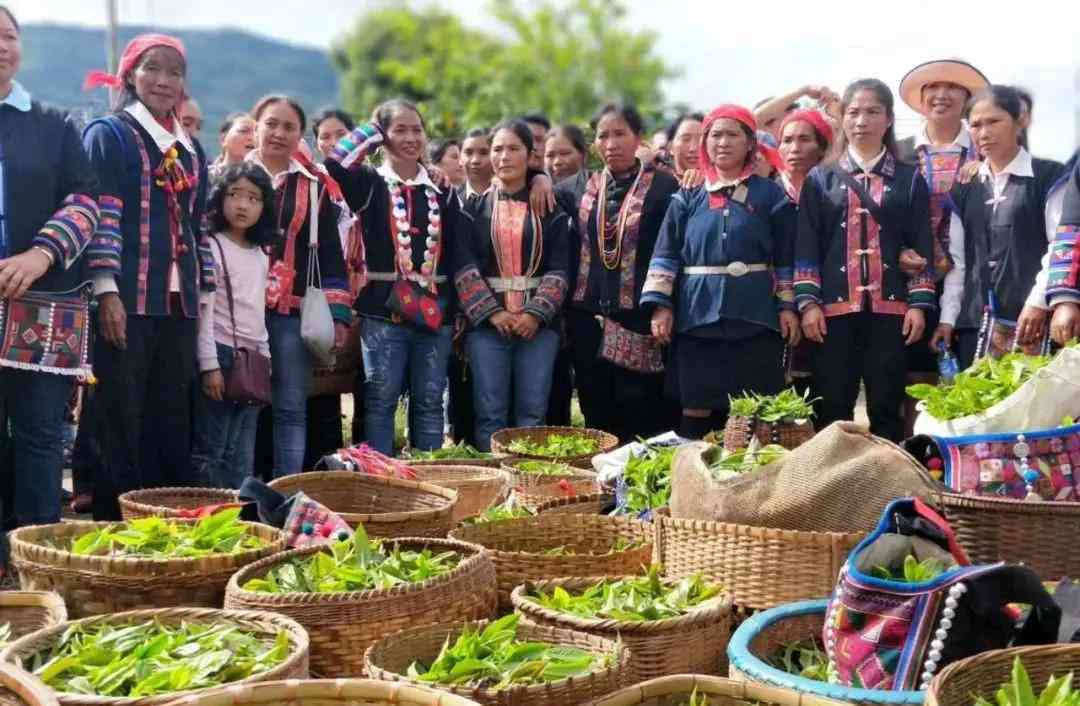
265, 232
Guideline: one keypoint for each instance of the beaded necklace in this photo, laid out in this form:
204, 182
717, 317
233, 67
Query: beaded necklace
402, 217
611, 254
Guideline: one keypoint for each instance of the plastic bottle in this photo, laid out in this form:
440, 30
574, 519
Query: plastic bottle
946, 363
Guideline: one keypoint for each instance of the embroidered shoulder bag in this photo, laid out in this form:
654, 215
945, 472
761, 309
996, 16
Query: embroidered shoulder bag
47, 332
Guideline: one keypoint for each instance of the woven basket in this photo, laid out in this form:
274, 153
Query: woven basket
342, 625
982, 675
590, 504
91, 585
167, 502
295, 666
20, 688
766, 633
501, 440
324, 692
496, 462
27, 611
737, 433
759, 566
695, 643
517, 547
676, 690
523, 482
994, 529
386, 507
389, 660
533, 496
478, 487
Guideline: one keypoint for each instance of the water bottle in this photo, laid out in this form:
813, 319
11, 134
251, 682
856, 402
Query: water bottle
946, 364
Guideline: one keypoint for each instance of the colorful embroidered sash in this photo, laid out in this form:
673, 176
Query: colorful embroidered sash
510, 217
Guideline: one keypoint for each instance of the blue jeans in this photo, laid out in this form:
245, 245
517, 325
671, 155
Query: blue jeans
32, 460
390, 351
228, 434
497, 363
289, 388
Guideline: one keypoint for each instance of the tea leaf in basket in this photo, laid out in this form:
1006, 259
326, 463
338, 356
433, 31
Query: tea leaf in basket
913, 570
506, 511
148, 658
987, 382
455, 452
806, 659
556, 446
355, 564
494, 658
632, 599
545, 468
787, 406
1018, 691
157, 537
648, 479
745, 460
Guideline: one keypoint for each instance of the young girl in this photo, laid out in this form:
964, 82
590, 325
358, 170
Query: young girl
855, 217
243, 220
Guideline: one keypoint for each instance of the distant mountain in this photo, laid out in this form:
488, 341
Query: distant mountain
228, 70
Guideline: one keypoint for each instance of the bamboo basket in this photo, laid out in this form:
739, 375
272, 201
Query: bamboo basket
295, 666
517, 547
737, 433
342, 625
20, 688
760, 567
90, 585
478, 487
585, 504
677, 689
964, 680
389, 660
524, 483
501, 440
533, 496
386, 507
496, 462
987, 530
695, 643
324, 692
168, 502
768, 632
27, 611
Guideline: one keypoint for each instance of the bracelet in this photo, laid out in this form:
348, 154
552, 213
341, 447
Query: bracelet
48, 253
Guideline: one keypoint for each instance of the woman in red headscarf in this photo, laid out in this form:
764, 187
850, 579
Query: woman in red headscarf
720, 279
149, 262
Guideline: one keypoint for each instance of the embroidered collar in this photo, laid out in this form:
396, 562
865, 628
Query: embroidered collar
162, 137
1020, 166
422, 177
963, 138
18, 98
884, 164
294, 167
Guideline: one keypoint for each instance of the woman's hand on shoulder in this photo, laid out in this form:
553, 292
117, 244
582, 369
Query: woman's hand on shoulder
542, 195
692, 179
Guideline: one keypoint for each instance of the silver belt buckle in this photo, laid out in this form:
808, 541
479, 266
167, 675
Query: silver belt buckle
737, 269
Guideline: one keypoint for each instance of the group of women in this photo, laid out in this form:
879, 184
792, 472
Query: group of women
753, 246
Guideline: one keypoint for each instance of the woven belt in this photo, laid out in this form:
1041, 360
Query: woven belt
512, 284
734, 269
393, 277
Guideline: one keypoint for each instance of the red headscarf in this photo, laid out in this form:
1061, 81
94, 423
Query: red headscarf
815, 118
732, 112
130, 59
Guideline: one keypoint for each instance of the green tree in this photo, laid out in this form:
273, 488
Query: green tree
563, 60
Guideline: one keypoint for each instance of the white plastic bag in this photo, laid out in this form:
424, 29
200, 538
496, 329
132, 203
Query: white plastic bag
316, 323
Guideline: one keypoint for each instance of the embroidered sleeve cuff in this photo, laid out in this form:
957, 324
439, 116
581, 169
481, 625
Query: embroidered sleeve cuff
1063, 278
549, 296
921, 292
70, 229
103, 252
351, 151
784, 278
105, 284
807, 285
477, 300
1064, 298
659, 287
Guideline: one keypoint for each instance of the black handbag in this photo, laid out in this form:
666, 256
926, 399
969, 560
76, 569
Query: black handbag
248, 382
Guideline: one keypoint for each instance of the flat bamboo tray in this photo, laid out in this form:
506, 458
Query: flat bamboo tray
342, 625
324, 692
478, 487
386, 507
501, 440
168, 502
91, 585
676, 690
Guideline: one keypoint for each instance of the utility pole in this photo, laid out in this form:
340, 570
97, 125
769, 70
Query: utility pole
111, 47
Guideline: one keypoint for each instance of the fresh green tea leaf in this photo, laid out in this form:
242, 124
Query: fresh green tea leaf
556, 446
984, 384
157, 537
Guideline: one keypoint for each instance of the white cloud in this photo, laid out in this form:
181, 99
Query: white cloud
738, 51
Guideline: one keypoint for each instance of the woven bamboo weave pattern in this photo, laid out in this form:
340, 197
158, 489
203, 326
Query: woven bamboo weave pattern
478, 487
386, 507
20, 688
501, 440
324, 692
960, 682
167, 502
342, 625
676, 690
583, 504
389, 660
26, 611
91, 585
267, 625
533, 490
695, 643
737, 433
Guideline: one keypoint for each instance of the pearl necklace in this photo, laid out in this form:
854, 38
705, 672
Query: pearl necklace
403, 224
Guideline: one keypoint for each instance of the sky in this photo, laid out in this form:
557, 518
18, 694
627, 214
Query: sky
734, 52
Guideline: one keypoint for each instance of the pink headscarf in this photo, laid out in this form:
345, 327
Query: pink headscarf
815, 118
130, 59
732, 112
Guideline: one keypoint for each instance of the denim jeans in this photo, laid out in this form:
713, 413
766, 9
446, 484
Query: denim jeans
499, 363
32, 459
390, 351
228, 434
289, 388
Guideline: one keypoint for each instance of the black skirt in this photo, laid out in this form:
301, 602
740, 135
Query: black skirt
711, 369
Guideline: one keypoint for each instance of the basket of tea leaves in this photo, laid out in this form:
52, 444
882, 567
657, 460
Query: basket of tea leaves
570, 445
783, 419
1019, 676
702, 690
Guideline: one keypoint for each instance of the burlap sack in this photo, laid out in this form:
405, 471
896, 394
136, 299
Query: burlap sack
839, 481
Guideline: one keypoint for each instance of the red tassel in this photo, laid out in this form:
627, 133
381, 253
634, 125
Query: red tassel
98, 79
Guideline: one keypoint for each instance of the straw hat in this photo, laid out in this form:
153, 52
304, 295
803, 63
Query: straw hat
948, 70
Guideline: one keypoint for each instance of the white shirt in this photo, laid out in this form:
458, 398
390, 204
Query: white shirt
866, 166
953, 287
279, 178
422, 177
962, 139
